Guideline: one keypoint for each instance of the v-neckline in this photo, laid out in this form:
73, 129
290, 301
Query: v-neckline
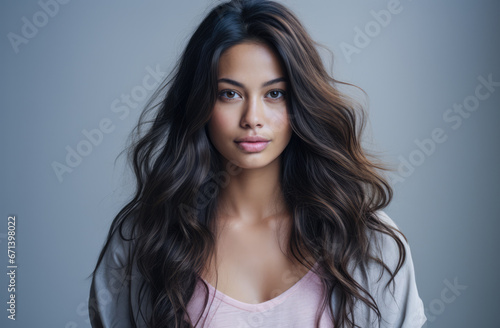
263, 305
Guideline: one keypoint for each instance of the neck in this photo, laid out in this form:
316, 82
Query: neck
253, 195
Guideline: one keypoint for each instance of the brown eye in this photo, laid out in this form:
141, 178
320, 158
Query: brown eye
275, 94
228, 94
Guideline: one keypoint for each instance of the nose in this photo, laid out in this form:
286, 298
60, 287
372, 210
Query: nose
253, 113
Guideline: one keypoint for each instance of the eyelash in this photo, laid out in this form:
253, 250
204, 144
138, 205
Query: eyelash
231, 99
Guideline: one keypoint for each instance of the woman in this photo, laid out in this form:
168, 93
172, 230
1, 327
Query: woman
256, 205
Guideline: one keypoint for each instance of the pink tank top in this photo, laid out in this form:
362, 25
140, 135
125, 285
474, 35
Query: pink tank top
295, 307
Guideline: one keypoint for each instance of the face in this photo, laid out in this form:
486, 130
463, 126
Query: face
251, 104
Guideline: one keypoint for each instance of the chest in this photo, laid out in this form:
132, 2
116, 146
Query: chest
251, 264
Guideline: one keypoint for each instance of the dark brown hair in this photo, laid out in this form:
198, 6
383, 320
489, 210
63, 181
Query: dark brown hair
330, 185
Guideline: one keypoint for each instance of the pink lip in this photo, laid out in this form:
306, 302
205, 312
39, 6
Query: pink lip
251, 139
253, 147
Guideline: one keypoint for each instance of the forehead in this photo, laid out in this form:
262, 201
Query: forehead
250, 60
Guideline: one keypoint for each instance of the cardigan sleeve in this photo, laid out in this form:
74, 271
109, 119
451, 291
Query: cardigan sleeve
399, 304
113, 293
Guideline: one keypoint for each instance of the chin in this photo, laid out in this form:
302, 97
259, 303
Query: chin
255, 163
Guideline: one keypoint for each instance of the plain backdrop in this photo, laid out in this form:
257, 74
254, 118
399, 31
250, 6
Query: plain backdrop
70, 68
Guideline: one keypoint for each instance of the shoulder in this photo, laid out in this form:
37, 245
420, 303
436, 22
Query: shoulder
397, 299
120, 246
384, 246
115, 283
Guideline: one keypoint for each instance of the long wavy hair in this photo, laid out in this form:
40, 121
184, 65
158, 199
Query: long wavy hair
330, 185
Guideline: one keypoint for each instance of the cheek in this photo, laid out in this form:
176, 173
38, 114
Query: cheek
219, 124
280, 121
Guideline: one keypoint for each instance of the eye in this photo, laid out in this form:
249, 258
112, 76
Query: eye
231, 94
275, 94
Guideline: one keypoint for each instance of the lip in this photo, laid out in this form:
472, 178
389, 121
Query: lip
252, 144
253, 147
252, 139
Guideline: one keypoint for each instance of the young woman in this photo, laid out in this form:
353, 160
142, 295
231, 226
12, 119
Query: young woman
256, 205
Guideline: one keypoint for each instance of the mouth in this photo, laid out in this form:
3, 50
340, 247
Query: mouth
253, 146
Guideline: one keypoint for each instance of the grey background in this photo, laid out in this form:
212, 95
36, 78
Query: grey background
67, 76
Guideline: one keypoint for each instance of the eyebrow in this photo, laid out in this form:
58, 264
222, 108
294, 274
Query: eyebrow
241, 85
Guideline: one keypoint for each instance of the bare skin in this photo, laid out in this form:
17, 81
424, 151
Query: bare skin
253, 224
